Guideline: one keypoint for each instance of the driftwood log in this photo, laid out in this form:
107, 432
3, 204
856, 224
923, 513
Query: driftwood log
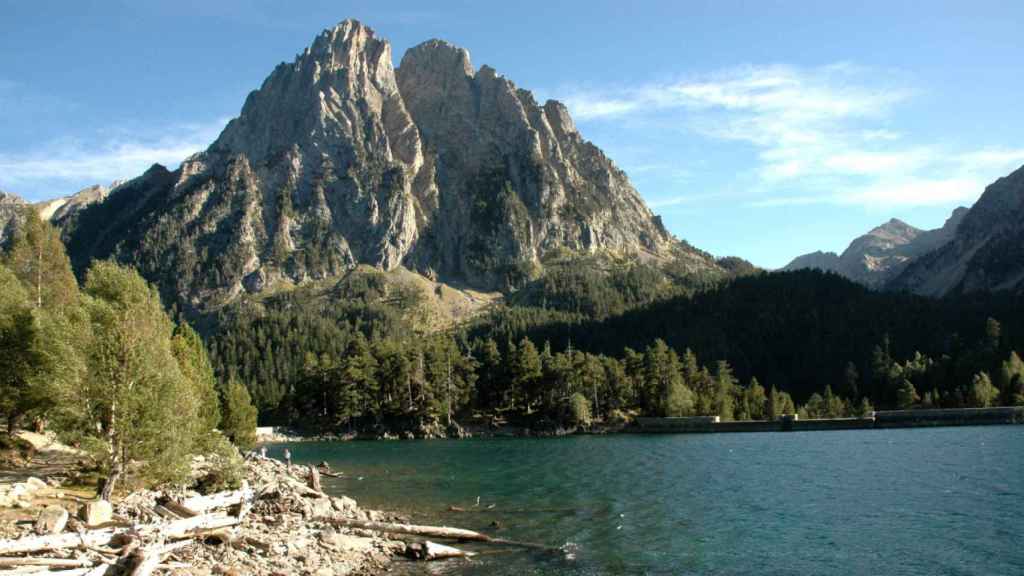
200, 504
51, 562
434, 532
433, 551
56, 541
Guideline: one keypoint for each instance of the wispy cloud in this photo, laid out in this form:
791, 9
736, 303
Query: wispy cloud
821, 135
65, 165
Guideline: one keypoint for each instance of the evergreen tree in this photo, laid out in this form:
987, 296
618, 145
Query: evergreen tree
756, 400
725, 382
20, 359
239, 418
38, 259
620, 386
195, 366
491, 380
355, 383
666, 393
525, 374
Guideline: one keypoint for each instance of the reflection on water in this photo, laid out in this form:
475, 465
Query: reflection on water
896, 502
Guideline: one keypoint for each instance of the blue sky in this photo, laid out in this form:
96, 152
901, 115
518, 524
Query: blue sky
759, 129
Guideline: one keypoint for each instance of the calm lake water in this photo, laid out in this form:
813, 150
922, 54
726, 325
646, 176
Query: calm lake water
927, 501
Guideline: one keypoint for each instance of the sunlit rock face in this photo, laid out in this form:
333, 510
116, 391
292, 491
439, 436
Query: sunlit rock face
338, 159
985, 253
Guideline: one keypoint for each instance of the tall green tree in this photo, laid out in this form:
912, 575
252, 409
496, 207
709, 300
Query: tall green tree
756, 400
195, 366
725, 383
239, 417
38, 259
20, 359
135, 406
525, 373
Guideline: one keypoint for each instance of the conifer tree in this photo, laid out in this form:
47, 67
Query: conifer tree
190, 352
37, 257
525, 374
239, 418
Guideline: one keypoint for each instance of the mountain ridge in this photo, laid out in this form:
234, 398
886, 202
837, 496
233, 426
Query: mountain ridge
878, 256
986, 252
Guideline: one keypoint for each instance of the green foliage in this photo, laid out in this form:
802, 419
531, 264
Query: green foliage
135, 406
195, 366
226, 467
238, 423
37, 258
983, 393
906, 395
1011, 380
579, 409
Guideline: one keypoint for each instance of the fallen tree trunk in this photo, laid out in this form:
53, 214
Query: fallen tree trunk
200, 504
433, 551
51, 562
433, 532
56, 541
188, 527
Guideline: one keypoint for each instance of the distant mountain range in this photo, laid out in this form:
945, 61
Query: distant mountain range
880, 255
978, 249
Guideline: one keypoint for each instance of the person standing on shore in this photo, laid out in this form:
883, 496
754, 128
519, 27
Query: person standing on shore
263, 452
288, 457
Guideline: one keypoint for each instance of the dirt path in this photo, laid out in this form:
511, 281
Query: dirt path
21, 492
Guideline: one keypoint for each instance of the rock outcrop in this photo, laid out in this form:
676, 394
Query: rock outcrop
58, 211
11, 207
985, 254
337, 161
516, 178
880, 255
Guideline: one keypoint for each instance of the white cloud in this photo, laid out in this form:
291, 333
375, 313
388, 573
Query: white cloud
68, 164
821, 135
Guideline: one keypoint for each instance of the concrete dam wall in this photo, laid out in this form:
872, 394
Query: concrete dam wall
879, 419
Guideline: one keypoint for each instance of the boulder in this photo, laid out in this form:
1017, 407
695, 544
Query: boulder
51, 520
96, 512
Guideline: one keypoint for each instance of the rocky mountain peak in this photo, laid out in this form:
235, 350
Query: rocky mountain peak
439, 57
339, 159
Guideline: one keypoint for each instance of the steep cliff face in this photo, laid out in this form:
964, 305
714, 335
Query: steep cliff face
880, 255
516, 177
11, 207
985, 253
337, 161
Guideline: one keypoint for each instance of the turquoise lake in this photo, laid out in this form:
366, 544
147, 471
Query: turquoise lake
919, 502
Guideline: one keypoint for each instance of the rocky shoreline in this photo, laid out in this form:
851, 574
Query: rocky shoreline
454, 432
276, 524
